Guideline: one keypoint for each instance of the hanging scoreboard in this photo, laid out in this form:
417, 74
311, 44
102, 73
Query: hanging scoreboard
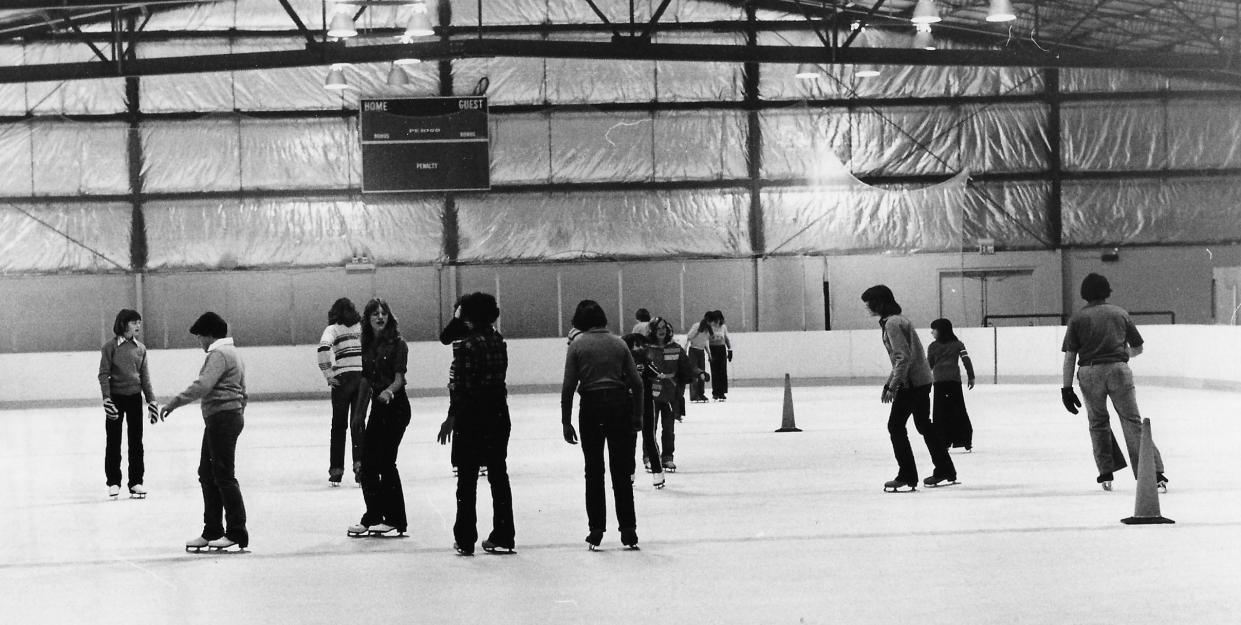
425, 144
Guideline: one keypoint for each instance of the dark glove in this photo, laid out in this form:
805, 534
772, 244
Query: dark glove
109, 409
1071, 402
730, 355
570, 434
704, 376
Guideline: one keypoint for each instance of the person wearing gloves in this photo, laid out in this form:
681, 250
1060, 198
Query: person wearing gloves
124, 380
908, 389
221, 385
1098, 341
667, 370
599, 367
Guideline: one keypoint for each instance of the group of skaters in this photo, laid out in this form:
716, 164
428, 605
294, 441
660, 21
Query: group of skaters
1098, 342
625, 385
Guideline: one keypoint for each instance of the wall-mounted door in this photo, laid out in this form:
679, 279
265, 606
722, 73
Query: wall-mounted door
967, 298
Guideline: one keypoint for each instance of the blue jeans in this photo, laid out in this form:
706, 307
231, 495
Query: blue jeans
344, 398
221, 492
1114, 380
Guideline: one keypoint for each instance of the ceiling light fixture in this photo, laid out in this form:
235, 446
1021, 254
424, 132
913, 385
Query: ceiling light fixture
807, 71
397, 76
1001, 11
419, 23
923, 40
336, 78
866, 72
925, 12
341, 25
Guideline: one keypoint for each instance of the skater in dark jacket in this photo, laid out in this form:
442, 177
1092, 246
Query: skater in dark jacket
908, 389
221, 385
668, 370
949, 411
384, 363
124, 379
478, 425
599, 367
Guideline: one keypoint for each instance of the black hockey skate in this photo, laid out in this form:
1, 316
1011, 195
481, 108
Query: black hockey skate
899, 486
629, 538
498, 549
593, 539
936, 481
463, 551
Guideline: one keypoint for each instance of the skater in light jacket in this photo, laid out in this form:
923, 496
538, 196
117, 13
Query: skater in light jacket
699, 341
384, 364
1099, 340
340, 360
221, 385
124, 379
721, 354
908, 389
599, 367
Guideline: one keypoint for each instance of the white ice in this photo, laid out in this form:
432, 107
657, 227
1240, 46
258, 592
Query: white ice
755, 527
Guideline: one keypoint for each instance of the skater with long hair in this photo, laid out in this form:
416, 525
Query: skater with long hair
478, 426
385, 359
1099, 340
340, 360
124, 379
667, 370
221, 385
699, 341
948, 412
721, 349
599, 367
908, 389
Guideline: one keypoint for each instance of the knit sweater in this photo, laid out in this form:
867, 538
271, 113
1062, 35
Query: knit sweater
340, 349
943, 357
596, 361
221, 383
123, 369
909, 367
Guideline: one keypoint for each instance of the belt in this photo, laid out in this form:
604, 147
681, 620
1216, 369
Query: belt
1089, 363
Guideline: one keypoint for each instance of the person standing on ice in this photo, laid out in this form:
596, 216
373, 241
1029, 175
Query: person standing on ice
908, 389
948, 410
1099, 340
599, 367
340, 360
221, 385
124, 380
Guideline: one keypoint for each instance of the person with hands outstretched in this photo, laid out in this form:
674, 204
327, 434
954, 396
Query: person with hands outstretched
221, 385
601, 370
1099, 340
478, 424
124, 379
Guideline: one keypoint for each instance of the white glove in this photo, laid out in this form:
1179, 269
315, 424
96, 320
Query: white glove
153, 412
110, 410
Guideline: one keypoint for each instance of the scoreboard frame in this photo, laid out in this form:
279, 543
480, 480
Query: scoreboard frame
425, 144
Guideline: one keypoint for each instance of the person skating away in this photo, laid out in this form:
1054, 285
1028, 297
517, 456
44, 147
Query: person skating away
124, 379
479, 426
698, 340
721, 349
908, 389
221, 385
340, 361
1099, 340
599, 367
668, 367
948, 411
385, 359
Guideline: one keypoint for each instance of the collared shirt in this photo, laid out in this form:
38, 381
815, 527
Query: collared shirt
480, 361
123, 369
382, 362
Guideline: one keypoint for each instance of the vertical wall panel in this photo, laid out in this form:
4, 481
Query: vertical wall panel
80, 158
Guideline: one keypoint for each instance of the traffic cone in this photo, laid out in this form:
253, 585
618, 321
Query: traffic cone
1146, 509
788, 425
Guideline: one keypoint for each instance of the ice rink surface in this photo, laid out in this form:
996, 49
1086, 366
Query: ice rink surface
756, 527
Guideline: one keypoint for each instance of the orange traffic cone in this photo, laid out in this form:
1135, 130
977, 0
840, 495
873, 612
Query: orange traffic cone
1146, 509
788, 425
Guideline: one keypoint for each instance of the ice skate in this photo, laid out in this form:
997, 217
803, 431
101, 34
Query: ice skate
137, 491
356, 530
383, 529
482, 471
629, 538
496, 548
669, 465
899, 486
1105, 480
593, 539
646, 464
657, 480
463, 551
334, 476
225, 545
936, 481
114, 490
1161, 483
196, 545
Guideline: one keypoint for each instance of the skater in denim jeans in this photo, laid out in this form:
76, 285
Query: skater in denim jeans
340, 360
1100, 339
600, 368
221, 385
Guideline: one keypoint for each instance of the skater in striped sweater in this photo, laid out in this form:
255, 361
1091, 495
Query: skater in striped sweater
340, 360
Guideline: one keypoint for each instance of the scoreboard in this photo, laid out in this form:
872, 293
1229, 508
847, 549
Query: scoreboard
425, 144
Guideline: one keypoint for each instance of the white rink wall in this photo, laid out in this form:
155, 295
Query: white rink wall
1196, 356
